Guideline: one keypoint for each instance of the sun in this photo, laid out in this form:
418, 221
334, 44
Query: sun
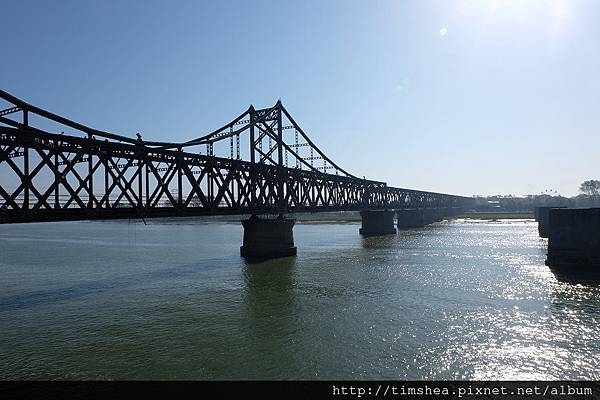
557, 8
552, 15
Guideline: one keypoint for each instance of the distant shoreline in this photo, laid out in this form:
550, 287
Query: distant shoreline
497, 215
342, 217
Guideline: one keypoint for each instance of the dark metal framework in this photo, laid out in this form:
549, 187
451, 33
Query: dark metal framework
93, 174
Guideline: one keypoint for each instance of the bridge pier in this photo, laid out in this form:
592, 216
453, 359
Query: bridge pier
440, 214
410, 219
377, 222
450, 212
430, 215
268, 238
543, 219
574, 243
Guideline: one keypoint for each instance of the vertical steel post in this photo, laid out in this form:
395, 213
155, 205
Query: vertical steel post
252, 118
179, 179
209, 184
147, 163
56, 176
140, 176
231, 142
280, 180
90, 172
106, 194
26, 181
253, 182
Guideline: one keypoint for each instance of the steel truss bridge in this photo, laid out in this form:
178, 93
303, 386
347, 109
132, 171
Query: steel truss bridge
52, 168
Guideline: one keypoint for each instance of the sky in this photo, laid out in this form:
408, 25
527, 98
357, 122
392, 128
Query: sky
470, 97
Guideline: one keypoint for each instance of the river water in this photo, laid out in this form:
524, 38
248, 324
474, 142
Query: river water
455, 300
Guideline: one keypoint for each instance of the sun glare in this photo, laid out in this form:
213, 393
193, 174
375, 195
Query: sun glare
550, 15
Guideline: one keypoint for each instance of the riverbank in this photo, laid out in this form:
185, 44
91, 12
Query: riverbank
497, 215
319, 217
303, 218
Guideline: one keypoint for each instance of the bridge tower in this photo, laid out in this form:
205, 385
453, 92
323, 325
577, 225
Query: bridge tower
267, 237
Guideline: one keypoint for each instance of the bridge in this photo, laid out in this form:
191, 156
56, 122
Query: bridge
260, 163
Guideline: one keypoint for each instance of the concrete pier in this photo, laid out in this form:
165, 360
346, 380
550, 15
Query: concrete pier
377, 222
408, 219
451, 212
574, 243
268, 238
441, 214
543, 218
431, 215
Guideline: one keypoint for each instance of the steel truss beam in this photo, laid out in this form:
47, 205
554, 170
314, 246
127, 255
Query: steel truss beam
100, 176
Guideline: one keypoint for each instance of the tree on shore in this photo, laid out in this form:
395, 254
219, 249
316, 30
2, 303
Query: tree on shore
590, 187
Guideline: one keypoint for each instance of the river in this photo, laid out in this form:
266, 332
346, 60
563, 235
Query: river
456, 300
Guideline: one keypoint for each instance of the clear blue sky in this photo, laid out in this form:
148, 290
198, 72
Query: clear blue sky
466, 96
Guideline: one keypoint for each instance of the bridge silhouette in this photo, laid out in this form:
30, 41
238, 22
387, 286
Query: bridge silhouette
262, 162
